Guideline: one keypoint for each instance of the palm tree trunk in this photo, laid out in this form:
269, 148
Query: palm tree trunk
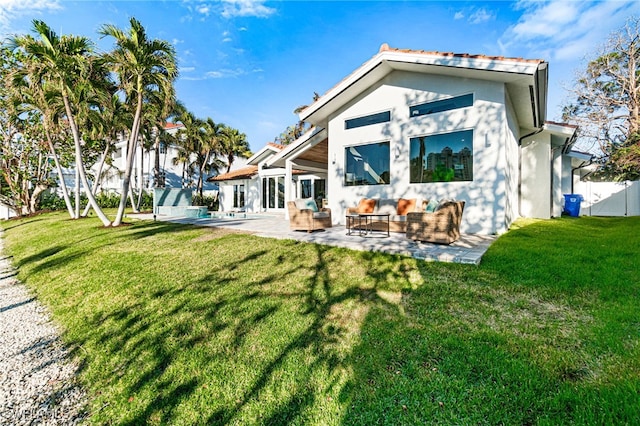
77, 191
96, 184
156, 165
63, 184
79, 163
136, 208
131, 146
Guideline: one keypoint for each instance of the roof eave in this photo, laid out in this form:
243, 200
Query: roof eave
387, 61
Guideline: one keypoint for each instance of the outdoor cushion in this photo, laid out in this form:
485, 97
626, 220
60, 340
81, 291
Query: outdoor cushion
386, 206
366, 205
321, 215
432, 206
406, 206
444, 202
306, 204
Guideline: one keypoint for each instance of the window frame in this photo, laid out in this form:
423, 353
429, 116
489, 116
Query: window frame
367, 120
439, 105
347, 148
431, 135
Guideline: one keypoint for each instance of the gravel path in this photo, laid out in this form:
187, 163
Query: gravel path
37, 378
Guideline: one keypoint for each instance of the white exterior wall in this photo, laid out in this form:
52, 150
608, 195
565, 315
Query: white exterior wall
536, 177
251, 195
485, 195
512, 167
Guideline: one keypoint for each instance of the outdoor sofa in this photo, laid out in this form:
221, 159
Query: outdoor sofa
421, 219
442, 226
304, 215
396, 208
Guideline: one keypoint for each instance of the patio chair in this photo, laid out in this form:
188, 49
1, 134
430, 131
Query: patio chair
304, 217
441, 227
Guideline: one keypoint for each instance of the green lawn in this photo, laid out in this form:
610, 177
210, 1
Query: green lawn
180, 325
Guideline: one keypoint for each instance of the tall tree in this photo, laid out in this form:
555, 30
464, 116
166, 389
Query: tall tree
66, 64
233, 144
143, 65
32, 94
606, 103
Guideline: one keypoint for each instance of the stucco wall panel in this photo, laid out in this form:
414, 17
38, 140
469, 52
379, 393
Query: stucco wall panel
484, 196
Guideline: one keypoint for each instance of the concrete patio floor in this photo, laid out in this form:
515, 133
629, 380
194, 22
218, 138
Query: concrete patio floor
468, 249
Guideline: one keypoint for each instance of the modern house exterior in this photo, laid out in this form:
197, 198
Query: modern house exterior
418, 124
257, 187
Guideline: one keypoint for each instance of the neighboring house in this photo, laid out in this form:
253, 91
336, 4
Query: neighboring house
416, 124
171, 175
254, 187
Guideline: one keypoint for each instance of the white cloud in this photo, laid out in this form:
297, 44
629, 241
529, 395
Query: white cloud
481, 15
14, 10
227, 40
221, 73
256, 8
458, 15
203, 9
187, 69
565, 30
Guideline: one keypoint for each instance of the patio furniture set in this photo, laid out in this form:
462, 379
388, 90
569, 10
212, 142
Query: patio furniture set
421, 220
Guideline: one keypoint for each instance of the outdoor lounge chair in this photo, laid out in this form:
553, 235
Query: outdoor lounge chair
302, 218
442, 226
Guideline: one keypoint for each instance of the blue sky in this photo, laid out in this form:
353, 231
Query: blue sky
249, 64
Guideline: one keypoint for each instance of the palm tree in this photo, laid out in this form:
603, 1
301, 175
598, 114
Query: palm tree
197, 142
65, 64
29, 91
143, 65
233, 144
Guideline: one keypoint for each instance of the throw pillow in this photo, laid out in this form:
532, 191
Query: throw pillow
406, 206
310, 204
432, 206
366, 205
444, 202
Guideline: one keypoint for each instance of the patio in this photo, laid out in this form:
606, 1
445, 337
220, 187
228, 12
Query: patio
469, 249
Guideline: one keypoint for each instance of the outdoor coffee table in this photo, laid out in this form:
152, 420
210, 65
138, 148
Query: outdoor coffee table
368, 222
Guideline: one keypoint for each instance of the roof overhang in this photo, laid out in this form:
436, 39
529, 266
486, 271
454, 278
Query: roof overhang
265, 152
526, 81
299, 147
562, 134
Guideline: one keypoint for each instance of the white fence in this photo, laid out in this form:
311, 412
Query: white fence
609, 198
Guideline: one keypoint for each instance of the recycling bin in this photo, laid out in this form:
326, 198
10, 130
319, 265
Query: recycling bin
572, 204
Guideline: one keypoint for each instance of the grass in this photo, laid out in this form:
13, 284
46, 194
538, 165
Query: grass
174, 324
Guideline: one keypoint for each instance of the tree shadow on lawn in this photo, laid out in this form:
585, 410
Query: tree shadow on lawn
227, 352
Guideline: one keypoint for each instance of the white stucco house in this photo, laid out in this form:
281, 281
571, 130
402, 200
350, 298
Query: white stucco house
418, 124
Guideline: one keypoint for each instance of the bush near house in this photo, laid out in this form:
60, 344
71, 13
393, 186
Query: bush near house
235, 329
49, 201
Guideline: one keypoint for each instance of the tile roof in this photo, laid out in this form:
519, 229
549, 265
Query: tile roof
276, 145
385, 48
168, 125
573, 126
242, 173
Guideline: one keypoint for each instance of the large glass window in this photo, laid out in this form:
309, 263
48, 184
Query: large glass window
381, 117
305, 188
442, 158
441, 105
265, 193
272, 193
367, 164
238, 196
319, 191
281, 192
